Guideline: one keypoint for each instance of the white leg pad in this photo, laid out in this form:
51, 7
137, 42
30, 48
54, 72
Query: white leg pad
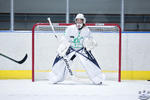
98, 79
53, 79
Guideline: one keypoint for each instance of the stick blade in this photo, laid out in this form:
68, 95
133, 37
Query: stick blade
23, 60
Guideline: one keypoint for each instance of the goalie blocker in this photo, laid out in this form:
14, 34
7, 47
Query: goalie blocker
77, 43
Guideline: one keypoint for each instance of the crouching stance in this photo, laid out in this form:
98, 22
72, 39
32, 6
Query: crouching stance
77, 42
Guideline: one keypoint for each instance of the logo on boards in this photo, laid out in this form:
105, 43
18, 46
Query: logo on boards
144, 95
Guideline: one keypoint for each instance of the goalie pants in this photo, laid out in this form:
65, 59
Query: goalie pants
60, 70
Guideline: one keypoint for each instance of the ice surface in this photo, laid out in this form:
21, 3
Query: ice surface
71, 90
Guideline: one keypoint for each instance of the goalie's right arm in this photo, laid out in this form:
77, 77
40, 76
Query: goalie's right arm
63, 47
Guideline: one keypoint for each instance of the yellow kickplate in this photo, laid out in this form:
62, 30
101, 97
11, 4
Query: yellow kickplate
27, 74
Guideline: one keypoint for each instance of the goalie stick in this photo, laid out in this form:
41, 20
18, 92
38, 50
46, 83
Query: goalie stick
65, 60
19, 62
50, 23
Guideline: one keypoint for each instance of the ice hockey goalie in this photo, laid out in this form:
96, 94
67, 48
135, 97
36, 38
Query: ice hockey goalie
76, 43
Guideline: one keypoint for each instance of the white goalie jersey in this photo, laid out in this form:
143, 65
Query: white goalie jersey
80, 38
76, 37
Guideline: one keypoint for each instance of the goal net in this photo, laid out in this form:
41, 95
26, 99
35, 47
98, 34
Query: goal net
107, 53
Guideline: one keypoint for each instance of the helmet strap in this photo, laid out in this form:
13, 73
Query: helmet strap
80, 26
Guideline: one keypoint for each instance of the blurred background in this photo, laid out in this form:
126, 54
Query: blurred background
132, 15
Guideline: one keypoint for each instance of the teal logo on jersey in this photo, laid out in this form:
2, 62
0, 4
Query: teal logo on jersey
77, 42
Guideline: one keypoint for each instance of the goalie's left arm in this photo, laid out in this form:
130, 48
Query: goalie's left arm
89, 43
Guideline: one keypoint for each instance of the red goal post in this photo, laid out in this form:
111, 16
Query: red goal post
88, 24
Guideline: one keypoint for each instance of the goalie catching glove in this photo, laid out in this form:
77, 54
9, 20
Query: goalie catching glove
63, 47
89, 43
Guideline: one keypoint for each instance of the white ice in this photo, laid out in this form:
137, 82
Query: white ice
71, 90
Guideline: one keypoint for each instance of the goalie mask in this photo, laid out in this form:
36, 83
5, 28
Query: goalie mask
80, 20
